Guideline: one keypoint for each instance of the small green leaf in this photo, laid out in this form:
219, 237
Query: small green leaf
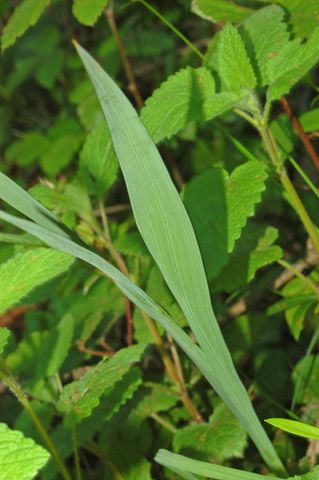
25, 15
20, 457
79, 398
220, 439
291, 64
234, 65
265, 34
219, 206
188, 95
98, 160
254, 250
27, 270
88, 12
220, 10
297, 428
27, 149
310, 120
4, 336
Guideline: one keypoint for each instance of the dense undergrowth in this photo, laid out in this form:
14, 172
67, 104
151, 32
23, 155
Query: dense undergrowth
158, 304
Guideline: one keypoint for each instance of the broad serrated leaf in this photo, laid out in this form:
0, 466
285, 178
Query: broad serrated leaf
187, 96
234, 65
111, 402
254, 250
98, 160
291, 64
297, 428
24, 16
220, 10
79, 398
27, 270
314, 475
219, 205
20, 457
303, 16
4, 337
220, 439
265, 34
87, 12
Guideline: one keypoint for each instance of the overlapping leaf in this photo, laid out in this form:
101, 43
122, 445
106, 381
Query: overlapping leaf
25, 15
219, 205
79, 398
20, 457
187, 96
27, 270
88, 12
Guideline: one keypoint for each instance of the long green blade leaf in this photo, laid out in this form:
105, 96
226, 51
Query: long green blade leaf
180, 463
296, 428
168, 233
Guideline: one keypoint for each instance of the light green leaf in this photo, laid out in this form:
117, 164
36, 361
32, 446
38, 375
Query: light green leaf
188, 95
234, 65
306, 380
310, 120
220, 439
219, 206
79, 398
24, 16
254, 250
185, 464
60, 153
88, 12
20, 457
304, 16
27, 149
265, 35
220, 10
168, 234
291, 64
98, 159
4, 337
297, 428
26, 271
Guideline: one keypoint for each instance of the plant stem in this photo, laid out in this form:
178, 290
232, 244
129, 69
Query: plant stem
304, 176
307, 281
76, 455
133, 87
300, 131
290, 190
164, 423
10, 381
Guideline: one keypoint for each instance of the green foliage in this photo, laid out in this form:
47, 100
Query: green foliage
233, 63
20, 457
27, 270
79, 398
187, 96
297, 428
220, 439
88, 13
159, 253
4, 336
219, 206
25, 15
220, 10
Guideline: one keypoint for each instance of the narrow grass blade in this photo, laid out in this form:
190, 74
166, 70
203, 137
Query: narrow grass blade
168, 233
296, 428
180, 463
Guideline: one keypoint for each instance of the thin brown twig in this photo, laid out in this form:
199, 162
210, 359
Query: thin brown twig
95, 353
133, 87
300, 131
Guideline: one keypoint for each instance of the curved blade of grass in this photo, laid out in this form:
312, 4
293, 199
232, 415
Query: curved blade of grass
296, 428
168, 233
129, 288
184, 464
